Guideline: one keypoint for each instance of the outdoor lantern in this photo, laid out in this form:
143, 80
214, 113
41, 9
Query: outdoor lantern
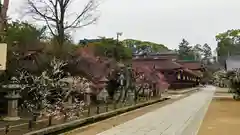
183, 77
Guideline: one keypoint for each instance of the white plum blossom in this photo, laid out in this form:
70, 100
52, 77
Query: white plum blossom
48, 92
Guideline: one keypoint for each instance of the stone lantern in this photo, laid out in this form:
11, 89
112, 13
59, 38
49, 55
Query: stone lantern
88, 92
97, 86
12, 99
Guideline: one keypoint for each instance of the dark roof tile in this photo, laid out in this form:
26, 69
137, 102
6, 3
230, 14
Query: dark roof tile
161, 64
191, 65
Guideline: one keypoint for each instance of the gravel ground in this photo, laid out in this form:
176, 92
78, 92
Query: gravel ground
222, 118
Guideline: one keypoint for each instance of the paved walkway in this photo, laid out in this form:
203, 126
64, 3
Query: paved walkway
180, 118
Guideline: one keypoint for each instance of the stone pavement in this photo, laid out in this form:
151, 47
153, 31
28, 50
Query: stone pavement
183, 117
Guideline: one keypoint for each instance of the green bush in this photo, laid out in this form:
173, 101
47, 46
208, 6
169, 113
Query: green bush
234, 78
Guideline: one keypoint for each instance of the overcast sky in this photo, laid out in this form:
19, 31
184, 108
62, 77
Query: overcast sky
160, 21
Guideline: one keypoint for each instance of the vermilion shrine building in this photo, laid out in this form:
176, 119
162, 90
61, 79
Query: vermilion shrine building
178, 74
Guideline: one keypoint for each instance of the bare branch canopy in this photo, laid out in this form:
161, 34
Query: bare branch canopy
58, 18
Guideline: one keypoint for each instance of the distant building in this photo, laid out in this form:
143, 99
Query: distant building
163, 55
178, 74
232, 62
86, 41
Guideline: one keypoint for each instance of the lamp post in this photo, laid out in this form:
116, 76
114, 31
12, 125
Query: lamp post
118, 34
115, 53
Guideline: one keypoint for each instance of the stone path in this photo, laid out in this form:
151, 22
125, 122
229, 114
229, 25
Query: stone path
179, 118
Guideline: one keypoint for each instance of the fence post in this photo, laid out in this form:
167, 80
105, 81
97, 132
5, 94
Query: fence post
34, 118
89, 110
50, 120
124, 103
106, 107
30, 124
114, 105
120, 104
78, 114
7, 129
98, 109
65, 117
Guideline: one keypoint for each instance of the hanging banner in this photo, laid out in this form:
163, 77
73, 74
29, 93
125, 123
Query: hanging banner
3, 56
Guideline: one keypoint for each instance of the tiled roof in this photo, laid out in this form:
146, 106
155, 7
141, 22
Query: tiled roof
190, 72
168, 65
160, 64
234, 57
193, 65
158, 54
163, 64
232, 64
198, 73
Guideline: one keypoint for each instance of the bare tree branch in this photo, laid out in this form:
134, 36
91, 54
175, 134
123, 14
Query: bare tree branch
55, 14
37, 11
85, 15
